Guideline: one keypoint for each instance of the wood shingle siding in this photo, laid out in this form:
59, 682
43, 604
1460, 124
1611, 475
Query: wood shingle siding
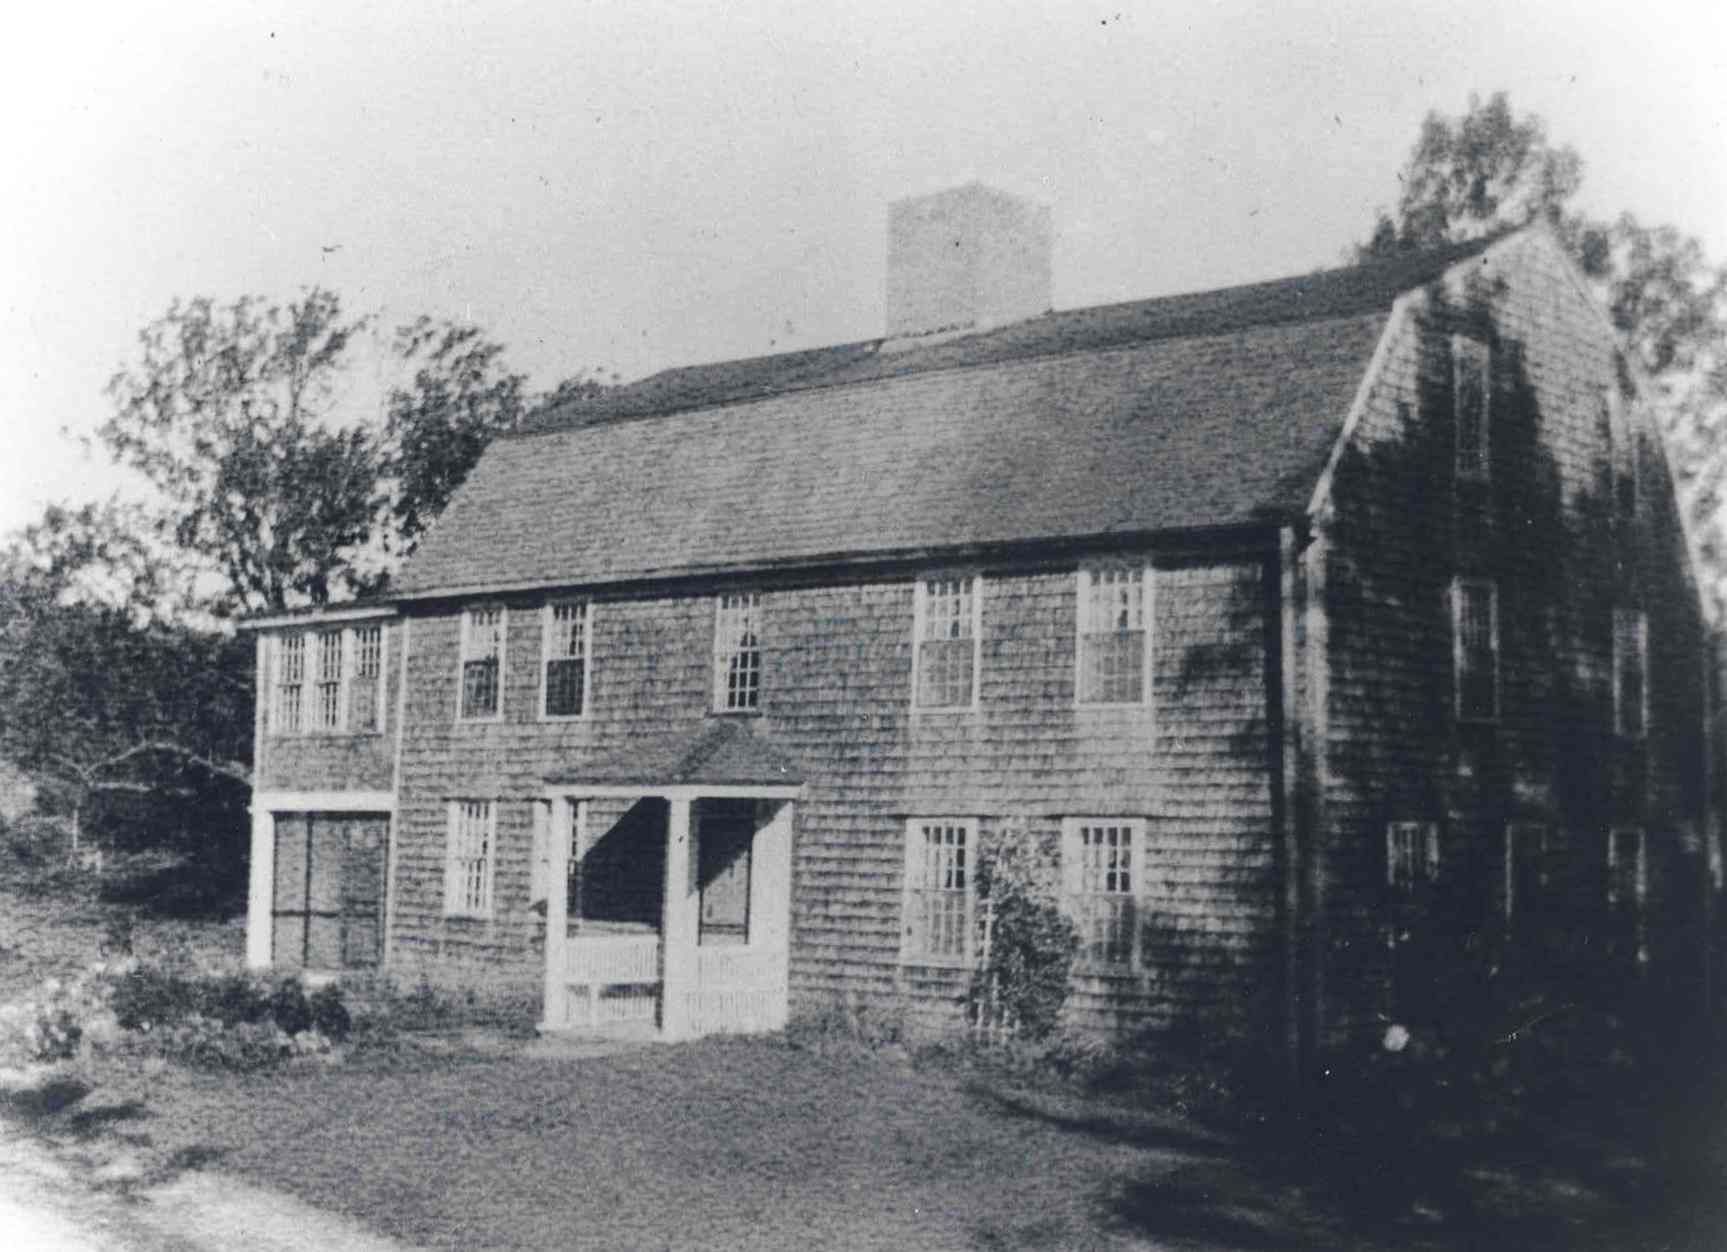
836, 696
1541, 528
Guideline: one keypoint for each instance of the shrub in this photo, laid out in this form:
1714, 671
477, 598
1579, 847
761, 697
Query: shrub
146, 996
289, 1007
330, 1017
1030, 943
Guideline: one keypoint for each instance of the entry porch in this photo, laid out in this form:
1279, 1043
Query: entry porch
668, 904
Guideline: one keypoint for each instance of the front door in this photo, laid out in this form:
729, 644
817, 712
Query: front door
723, 870
329, 890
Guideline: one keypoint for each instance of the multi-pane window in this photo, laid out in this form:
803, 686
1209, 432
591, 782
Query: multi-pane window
290, 683
365, 687
1411, 856
1624, 445
346, 667
737, 653
469, 858
1526, 866
565, 659
1112, 628
1475, 648
945, 656
1630, 673
328, 708
938, 908
1103, 860
1471, 374
482, 662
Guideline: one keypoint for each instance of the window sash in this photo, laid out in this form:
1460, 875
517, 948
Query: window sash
737, 653
1475, 648
939, 912
1104, 879
482, 664
366, 687
329, 690
327, 681
1627, 867
1113, 635
290, 679
564, 660
469, 862
1411, 855
1630, 673
1471, 378
946, 643
1624, 454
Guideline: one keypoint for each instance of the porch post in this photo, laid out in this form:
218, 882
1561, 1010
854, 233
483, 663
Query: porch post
678, 923
555, 1011
260, 888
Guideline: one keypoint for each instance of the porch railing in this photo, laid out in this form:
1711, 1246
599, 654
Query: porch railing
611, 980
738, 990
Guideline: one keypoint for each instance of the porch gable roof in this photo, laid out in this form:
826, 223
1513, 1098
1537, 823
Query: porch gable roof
723, 752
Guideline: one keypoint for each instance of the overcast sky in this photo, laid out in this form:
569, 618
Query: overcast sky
632, 185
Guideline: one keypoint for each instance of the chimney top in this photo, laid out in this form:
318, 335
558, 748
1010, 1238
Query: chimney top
966, 259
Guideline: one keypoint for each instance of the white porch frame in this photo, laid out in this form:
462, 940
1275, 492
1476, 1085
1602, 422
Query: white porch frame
261, 880
682, 1011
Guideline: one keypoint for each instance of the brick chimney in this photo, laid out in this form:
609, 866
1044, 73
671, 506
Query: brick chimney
965, 259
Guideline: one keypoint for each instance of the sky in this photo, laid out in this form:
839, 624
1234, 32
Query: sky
627, 186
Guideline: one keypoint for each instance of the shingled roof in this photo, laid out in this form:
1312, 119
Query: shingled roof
1190, 412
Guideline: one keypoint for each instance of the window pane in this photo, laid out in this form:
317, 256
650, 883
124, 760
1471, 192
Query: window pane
737, 653
1469, 374
480, 688
1477, 675
564, 680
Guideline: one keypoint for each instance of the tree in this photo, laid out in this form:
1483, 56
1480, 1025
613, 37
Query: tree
227, 415
461, 396
105, 691
1491, 170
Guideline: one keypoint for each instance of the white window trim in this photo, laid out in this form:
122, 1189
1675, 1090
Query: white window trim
1640, 872
1462, 348
1071, 865
462, 658
546, 658
1622, 451
1492, 588
722, 657
453, 905
913, 848
310, 681
1425, 865
1619, 730
1082, 613
919, 618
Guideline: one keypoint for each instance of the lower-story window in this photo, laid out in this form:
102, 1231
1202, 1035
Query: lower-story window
940, 890
1103, 867
469, 858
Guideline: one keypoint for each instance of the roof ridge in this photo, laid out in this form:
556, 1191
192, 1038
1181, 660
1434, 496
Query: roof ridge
994, 346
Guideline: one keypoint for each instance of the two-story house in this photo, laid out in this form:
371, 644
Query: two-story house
1271, 611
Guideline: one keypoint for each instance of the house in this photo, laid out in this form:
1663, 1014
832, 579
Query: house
1291, 618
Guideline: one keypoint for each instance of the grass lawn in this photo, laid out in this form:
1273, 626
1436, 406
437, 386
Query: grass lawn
766, 1143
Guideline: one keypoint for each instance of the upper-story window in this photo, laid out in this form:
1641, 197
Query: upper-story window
328, 707
940, 891
565, 659
1526, 866
343, 666
1475, 648
948, 626
287, 706
482, 663
737, 653
1113, 632
1624, 453
1103, 863
1472, 390
1630, 673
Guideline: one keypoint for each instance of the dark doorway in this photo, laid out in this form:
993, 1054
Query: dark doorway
723, 870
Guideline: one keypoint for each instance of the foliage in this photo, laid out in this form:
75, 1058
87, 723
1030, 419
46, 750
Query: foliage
226, 415
80, 606
1031, 941
44, 1028
149, 997
1489, 170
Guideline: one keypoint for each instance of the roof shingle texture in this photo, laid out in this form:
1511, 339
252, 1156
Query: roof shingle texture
1189, 412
